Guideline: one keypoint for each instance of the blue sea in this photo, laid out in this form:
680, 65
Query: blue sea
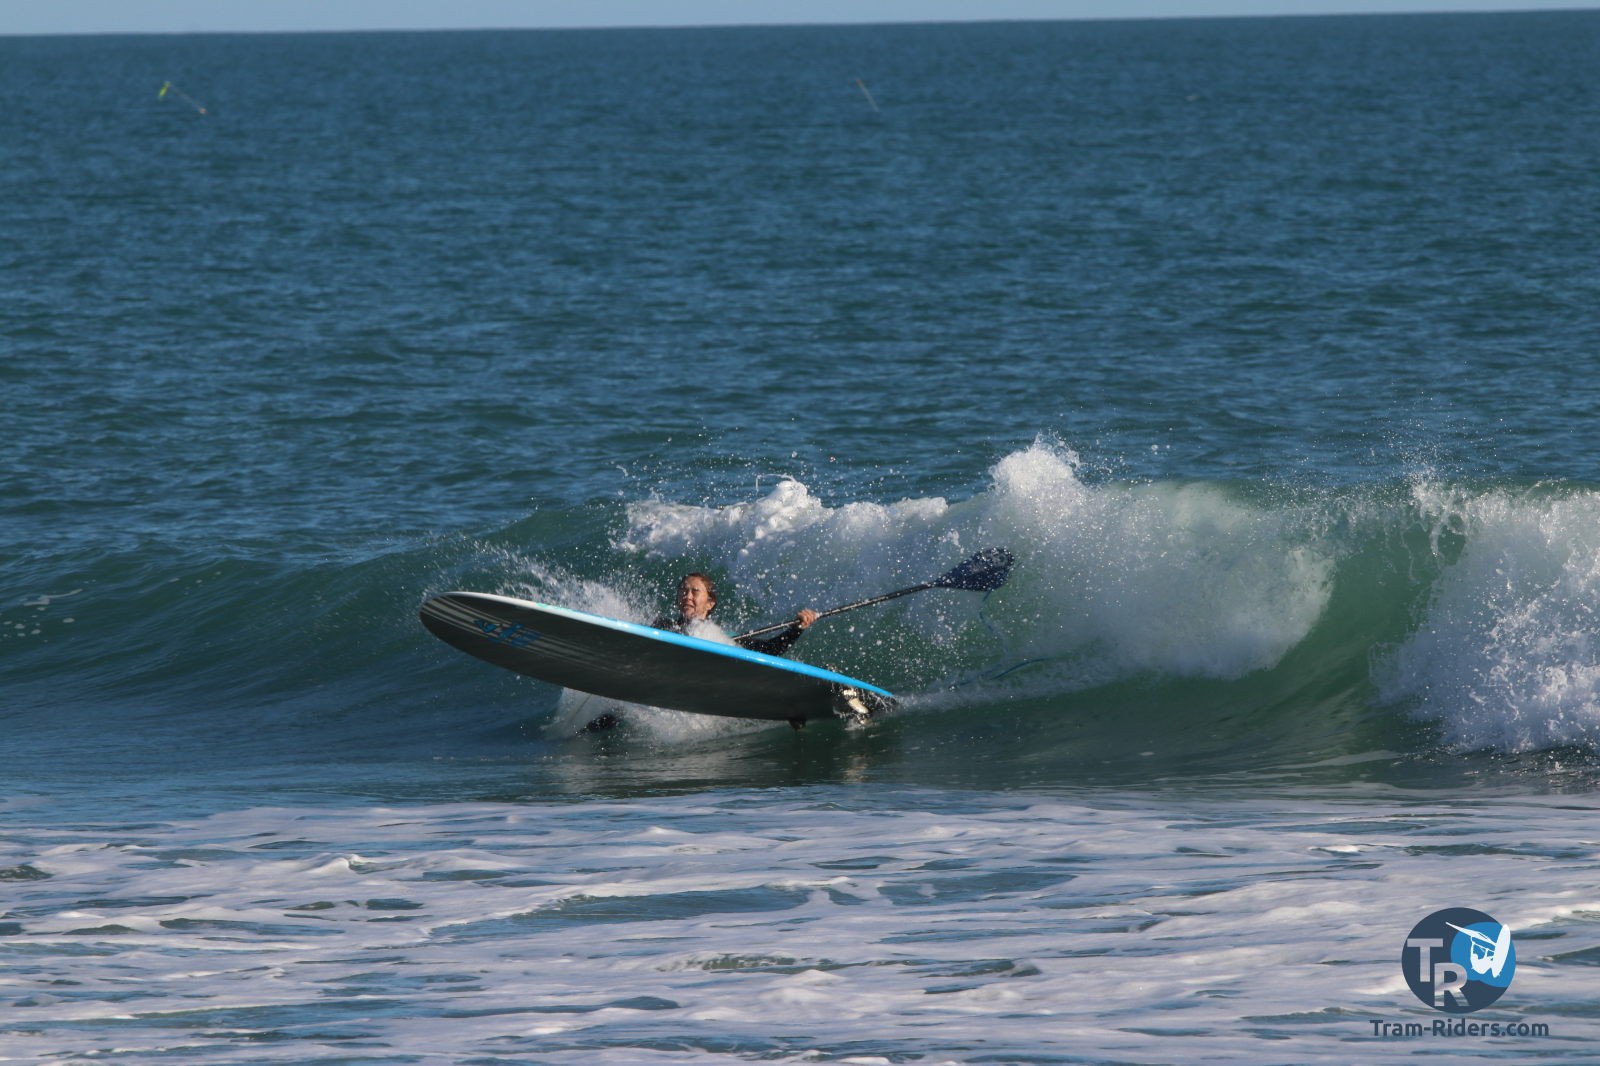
1267, 347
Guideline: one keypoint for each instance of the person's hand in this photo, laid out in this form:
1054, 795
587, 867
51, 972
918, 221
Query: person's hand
805, 618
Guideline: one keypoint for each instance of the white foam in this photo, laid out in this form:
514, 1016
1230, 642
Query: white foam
1507, 656
1175, 579
575, 710
532, 579
49, 598
1180, 579
786, 545
1184, 580
568, 932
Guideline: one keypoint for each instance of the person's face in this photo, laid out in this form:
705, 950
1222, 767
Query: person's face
694, 599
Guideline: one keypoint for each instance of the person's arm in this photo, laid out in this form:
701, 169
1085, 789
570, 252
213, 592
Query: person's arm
784, 640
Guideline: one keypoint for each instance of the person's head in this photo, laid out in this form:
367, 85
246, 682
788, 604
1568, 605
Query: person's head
696, 597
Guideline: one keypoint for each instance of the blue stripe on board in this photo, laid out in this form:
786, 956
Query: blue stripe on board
667, 636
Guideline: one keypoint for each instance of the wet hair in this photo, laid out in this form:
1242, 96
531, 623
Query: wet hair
711, 587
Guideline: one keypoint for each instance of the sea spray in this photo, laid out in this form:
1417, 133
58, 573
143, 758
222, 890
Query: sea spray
1175, 579
1207, 581
1181, 579
1505, 655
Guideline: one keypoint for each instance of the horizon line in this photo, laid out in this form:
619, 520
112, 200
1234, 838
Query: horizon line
802, 24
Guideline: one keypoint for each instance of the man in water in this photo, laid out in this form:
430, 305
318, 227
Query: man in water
696, 598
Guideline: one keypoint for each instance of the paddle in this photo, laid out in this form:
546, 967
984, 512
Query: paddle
984, 572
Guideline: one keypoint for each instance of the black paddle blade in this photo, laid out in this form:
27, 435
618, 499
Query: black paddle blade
984, 572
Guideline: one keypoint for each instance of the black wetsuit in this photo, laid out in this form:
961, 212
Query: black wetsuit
774, 645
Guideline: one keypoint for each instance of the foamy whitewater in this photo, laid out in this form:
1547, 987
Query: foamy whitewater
1168, 581
1505, 656
837, 926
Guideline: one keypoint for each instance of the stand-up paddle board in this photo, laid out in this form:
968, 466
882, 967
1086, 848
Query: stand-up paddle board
642, 664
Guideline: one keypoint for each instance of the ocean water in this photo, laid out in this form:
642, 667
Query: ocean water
1266, 346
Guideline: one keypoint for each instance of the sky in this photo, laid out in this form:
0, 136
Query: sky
211, 16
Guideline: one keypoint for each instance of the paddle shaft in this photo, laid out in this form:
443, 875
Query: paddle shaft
984, 572
847, 607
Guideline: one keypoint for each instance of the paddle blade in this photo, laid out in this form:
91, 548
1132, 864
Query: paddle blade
984, 572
